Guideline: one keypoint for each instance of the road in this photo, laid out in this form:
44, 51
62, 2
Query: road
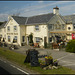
8, 68
3, 71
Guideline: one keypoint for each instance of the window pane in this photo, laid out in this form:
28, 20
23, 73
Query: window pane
74, 26
8, 38
23, 38
15, 27
15, 39
36, 27
37, 39
8, 28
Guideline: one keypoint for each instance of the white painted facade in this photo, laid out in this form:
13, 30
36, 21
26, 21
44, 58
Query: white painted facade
11, 23
23, 30
55, 24
3, 33
41, 33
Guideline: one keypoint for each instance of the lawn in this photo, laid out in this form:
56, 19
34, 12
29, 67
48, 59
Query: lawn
19, 60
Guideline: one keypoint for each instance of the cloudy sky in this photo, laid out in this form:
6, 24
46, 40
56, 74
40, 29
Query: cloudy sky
31, 8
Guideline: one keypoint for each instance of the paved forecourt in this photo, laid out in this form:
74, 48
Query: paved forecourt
64, 58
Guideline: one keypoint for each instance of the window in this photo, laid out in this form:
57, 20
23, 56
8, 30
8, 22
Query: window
15, 28
74, 26
69, 28
8, 38
50, 27
8, 28
37, 39
15, 39
63, 26
37, 27
23, 38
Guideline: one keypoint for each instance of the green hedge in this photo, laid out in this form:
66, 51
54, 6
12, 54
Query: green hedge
71, 46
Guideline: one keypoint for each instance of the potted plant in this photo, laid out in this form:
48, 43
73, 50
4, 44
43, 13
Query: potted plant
49, 60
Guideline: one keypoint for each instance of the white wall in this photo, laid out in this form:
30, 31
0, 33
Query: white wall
3, 32
41, 33
69, 35
13, 33
71, 26
22, 32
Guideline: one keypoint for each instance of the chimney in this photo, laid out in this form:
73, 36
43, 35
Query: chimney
56, 10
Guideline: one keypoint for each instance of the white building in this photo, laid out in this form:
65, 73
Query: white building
44, 27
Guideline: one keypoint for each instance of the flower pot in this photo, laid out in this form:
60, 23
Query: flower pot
49, 61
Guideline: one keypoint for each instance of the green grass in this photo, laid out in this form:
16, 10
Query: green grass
19, 59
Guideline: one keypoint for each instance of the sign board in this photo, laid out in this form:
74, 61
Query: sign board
73, 35
32, 57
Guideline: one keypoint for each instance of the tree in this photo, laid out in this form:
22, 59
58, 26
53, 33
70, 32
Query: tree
1, 23
31, 38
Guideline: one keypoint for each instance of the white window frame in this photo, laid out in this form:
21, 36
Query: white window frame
37, 39
37, 27
15, 28
8, 28
15, 39
9, 39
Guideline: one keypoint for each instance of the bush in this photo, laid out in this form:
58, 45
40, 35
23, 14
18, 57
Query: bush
31, 38
45, 45
71, 46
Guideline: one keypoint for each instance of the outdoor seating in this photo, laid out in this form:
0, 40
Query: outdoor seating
55, 46
12, 47
36, 44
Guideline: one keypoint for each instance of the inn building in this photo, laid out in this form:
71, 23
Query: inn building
51, 27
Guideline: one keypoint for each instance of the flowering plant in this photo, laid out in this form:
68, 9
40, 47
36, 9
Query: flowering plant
48, 57
55, 60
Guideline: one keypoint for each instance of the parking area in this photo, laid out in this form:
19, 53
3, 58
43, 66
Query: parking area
64, 58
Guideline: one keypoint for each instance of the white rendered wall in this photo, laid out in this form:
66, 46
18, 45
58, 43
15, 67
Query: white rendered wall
41, 33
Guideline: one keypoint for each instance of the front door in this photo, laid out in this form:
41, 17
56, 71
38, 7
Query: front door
45, 42
23, 38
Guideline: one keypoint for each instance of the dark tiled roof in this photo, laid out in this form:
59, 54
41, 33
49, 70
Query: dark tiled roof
1, 26
40, 19
20, 20
69, 18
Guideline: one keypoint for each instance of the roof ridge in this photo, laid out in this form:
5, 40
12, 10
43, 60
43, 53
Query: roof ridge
40, 15
19, 16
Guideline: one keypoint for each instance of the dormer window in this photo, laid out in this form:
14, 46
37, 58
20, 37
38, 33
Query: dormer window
37, 27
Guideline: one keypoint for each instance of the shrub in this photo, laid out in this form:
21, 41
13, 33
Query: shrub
71, 46
45, 45
31, 38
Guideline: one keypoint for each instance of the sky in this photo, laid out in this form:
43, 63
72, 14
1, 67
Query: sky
32, 8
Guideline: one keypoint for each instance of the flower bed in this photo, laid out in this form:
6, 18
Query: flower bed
49, 63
